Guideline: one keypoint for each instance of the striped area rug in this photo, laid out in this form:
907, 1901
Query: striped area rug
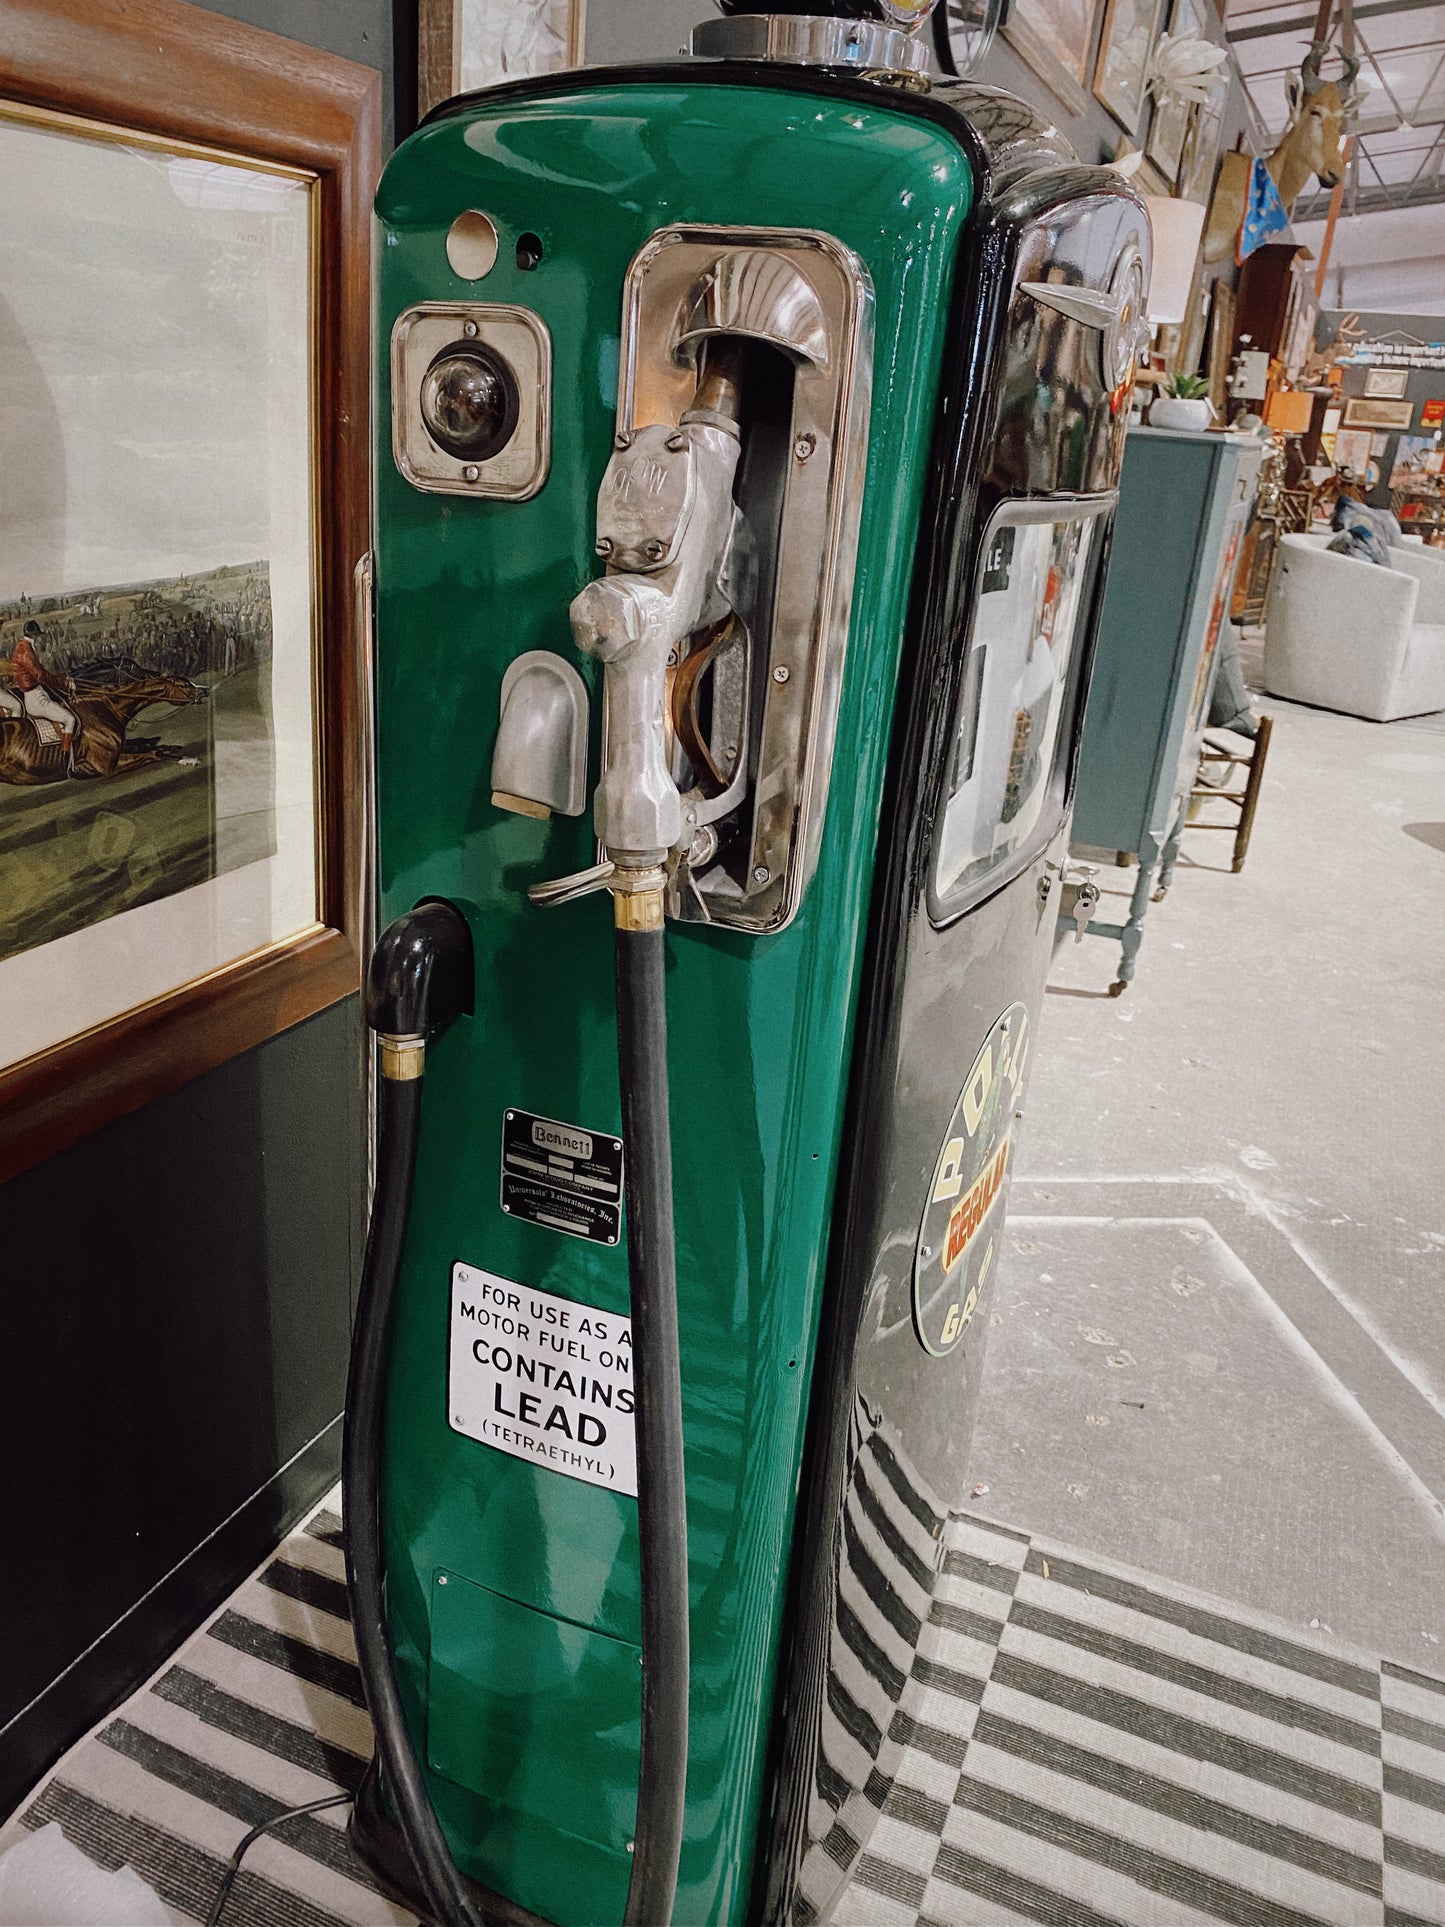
1079, 1746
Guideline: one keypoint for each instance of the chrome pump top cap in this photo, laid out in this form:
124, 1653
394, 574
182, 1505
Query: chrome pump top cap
907, 14
874, 37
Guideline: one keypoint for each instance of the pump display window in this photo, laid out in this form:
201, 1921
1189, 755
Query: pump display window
1008, 760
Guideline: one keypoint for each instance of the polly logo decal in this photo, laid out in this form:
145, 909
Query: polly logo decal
958, 1238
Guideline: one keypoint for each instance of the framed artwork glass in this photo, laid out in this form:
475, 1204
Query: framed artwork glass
1125, 45
179, 867
1170, 122
1056, 38
1360, 413
466, 44
1388, 384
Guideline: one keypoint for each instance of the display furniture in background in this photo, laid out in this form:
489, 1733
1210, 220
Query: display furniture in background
1260, 547
1352, 636
1275, 304
1171, 576
1227, 751
465, 44
179, 745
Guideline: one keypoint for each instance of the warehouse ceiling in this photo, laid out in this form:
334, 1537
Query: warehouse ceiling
1399, 150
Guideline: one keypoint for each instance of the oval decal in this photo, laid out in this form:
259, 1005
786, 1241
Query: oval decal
958, 1237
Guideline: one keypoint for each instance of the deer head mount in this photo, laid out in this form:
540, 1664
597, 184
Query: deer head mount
1319, 111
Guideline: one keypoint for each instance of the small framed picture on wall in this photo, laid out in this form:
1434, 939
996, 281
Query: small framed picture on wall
1388, 384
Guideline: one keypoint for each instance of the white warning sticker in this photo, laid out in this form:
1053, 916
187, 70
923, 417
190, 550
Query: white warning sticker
543, 1378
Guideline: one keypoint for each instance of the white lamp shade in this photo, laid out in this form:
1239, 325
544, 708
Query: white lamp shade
1177, 227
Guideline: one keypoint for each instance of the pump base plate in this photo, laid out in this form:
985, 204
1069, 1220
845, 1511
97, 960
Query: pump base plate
381, 1845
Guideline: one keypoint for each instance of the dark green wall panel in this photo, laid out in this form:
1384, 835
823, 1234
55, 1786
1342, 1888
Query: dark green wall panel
175, 1306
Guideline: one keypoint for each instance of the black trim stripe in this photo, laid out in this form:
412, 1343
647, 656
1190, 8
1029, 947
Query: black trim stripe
185, 1876
903, 1487
1409, 1858
328, 1846
1191, 1737
294, 1656
1415, 1788
963, 1686
1395, 1917
915, 1808
1392, 1669
833, 1786
962, 1619
894, 1882
243, 1720
311, 1588
1409, 1726
840, 1846
1209, 1625
1012, 1890
882, 1595
1155, 1872
947, 1748
968, 1565
992, 1528
858, 1725
876, 1513
1197, 1679
1178, 1802
866, 1650
326, 1526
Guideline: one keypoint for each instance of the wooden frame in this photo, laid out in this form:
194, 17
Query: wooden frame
1386, 384
1127, 109
1055, 68
1360, 413
175, 72
439, 47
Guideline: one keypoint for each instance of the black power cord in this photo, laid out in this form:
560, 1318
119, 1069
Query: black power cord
233, 1865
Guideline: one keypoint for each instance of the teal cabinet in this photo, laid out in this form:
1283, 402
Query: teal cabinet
1184, 503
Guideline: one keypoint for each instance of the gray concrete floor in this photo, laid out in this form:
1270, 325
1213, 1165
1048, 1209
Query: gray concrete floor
1218, 1343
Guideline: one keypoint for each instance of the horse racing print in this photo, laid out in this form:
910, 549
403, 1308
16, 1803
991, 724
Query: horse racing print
136, 746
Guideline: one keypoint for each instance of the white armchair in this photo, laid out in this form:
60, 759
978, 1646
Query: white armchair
1352, 636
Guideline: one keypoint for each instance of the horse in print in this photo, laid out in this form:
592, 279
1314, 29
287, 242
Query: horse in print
106, 698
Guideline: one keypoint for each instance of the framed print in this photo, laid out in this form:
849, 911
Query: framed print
1432, 414
1122, 68
1055, 37
1199, 159
1361, 413
1351, 449
1170, 122
466, 44
183, 277
1387, 384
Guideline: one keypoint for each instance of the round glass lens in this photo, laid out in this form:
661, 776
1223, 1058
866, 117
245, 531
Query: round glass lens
469, 401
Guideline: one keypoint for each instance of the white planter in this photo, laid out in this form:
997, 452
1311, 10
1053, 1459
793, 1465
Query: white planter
1171, 412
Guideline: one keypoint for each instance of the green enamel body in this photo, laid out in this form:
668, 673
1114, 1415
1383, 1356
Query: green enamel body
513, 1589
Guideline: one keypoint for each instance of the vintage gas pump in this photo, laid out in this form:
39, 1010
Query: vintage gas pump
748, 428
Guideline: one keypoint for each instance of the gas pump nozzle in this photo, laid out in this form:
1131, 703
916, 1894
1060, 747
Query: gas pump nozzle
665, 522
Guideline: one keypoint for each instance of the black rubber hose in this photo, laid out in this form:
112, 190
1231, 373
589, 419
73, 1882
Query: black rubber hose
418, 980
398, 1122
661, 1494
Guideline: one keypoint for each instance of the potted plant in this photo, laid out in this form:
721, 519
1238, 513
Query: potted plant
1184, 403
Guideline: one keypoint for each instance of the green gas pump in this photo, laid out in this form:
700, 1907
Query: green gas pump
747, 434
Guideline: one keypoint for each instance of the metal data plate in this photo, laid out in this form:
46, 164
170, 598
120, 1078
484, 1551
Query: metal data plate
520, 338
562, 1177
804, 633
